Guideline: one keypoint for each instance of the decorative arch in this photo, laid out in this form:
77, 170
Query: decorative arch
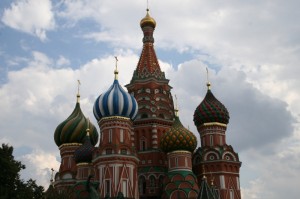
229, 154
178, 194
211, 155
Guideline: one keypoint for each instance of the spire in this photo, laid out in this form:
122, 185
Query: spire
148, 66
116, 70
78, 93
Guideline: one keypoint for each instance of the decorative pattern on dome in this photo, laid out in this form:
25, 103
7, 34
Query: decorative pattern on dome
73, 129
115, 102
181, 184
178, 138
210, 110
84, 153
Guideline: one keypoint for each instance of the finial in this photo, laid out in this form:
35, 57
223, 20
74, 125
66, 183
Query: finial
176, 106
88, 127
51, 180
78, 93
116, 70
147, 6
207, 78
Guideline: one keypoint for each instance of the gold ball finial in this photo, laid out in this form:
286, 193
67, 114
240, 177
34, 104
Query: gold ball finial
148, 20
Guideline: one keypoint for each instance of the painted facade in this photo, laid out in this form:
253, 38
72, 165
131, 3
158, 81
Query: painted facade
144, 151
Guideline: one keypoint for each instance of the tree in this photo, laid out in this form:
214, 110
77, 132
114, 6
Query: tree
11, 186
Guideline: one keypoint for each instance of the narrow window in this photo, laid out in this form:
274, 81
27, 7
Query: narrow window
176, 162
152, 181
110, 136
222, 182
107, 187
124, 188
211, 140
231, 194
121, 135
143, 145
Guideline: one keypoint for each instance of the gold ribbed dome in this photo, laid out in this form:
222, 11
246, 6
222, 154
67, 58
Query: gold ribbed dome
148, 21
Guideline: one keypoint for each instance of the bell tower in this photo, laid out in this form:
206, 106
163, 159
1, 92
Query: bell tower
155, 115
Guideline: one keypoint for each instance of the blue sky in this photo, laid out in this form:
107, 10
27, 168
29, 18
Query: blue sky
251, 49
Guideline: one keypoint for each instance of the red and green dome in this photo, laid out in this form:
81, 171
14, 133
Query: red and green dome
178, 138
210, 110
73, 129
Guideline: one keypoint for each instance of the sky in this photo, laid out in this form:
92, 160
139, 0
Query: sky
251, 50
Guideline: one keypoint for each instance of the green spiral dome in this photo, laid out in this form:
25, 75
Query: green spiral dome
210, 110
73, 129
178, 138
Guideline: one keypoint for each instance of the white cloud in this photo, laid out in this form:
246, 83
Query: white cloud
38, 166
31, 16
62, 61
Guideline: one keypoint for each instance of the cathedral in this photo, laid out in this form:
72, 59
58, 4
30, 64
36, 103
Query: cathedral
143, 150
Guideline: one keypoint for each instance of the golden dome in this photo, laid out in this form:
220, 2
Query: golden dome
148, 21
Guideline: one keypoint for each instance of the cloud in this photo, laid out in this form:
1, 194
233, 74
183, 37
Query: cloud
38, 166
62, 61
31, 16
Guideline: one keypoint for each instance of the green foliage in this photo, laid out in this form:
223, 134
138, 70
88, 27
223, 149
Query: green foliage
11, 186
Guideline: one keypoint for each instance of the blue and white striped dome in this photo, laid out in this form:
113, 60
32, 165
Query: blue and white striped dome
115, 102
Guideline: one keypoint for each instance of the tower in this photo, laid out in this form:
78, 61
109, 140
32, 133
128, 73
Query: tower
115, 160
155, 115
179, 144
217, 158
68, 136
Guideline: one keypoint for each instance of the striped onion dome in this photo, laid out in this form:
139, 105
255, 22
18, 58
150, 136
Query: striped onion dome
210, 110
73, 129
115, 102
84, 153
178, 138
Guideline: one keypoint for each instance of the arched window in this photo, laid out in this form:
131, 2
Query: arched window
152, 181
142, 185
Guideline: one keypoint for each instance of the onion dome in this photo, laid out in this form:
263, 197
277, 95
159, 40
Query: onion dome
148, 21
178, 138
84, 153
115, 102
210, 110
73, 129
